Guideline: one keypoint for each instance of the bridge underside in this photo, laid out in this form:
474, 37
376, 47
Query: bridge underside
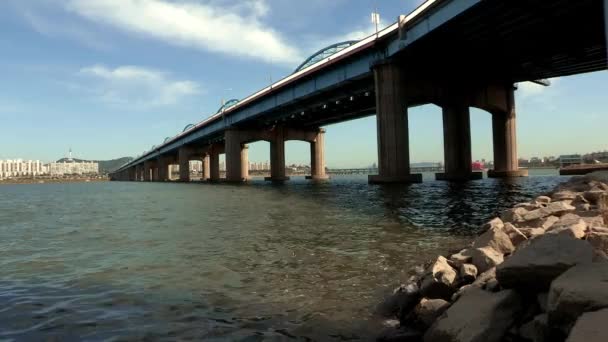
514, 40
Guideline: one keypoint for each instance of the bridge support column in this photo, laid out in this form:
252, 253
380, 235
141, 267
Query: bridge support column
148, 171
505, 142
277, 157
138, 173
317, 157
206, 168
457, 144
163, 170
392, 122
184, 164
237, 162
214, 163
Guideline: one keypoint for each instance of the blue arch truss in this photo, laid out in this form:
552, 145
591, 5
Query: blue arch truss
228, 104
324, 53
188, 127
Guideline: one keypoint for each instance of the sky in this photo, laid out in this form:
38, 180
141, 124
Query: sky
111, 78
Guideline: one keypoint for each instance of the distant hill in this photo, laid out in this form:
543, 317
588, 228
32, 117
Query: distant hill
105, 166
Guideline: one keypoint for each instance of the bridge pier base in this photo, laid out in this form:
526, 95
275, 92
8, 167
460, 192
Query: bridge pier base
237, 162
457, 144
206, 168
184, 164
505, 142
392, 122
317, 158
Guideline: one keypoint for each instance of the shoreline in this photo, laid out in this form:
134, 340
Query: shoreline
51, 181
539, 272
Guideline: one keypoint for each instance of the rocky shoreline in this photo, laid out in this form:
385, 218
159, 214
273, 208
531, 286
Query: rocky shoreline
537, 273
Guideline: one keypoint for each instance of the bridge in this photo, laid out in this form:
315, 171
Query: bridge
456, 54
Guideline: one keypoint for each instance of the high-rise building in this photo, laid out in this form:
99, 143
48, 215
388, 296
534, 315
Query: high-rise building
21, 168
73, 168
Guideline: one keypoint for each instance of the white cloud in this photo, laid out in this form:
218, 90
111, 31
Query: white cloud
136, 86
236, 30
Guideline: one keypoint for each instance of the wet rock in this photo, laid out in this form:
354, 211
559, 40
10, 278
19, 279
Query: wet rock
465, 256
516, 235
536, 330
439, 281
486, 258
590, 327
534, 266
495, 238
582, 288
428, 310
594, 195
478, 315
468, 273
598, 240
400, 302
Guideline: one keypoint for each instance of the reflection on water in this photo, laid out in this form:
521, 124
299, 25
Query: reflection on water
255, 262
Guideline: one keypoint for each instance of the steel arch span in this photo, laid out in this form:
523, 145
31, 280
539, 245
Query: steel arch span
227, 105
324, 53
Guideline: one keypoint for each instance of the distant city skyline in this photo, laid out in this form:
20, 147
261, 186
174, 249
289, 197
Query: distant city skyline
112, 86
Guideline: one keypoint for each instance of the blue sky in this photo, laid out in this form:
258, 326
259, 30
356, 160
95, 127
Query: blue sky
111, 78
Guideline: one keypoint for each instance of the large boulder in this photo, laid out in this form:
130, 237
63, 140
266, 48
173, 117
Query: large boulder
495, 238
440, 280
531, 233
590, 327
486, 258
513, 215
516, 235
535, 330
553, 208
564, 195
493, 223
580, 289
428, 310
477, 315
468, 273
599, 241
536, 264
569, 224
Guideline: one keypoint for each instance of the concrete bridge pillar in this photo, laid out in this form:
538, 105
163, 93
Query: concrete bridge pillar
138, 168
392, 122
457, 144
277, 156
237, 162
214, 163
148, 171
206, 167
505, 141
184, 164
317, 157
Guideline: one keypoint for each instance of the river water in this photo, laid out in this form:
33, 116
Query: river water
259, 262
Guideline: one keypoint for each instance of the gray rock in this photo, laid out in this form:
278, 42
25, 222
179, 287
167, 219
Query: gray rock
428, 310
571, 225
401, 301
594, 195
486, 258
582, 288
477, 315
598, 240
439, 281
465, 256
553, 208
536, 330
590, 327
542, 300
468, 273
485, 277
399, 334
497, 239
544, 258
